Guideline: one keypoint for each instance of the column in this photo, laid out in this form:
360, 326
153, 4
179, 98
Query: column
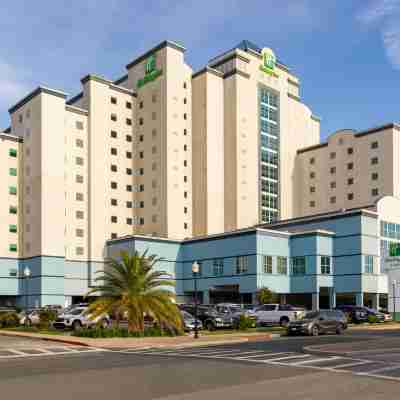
315, 301
360, 299
332, 298
206, 297
375, 301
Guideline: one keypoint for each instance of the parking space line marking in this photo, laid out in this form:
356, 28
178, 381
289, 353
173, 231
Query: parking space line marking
352, 364
17, 352
267, 356
380, 370
318, 360
290, 357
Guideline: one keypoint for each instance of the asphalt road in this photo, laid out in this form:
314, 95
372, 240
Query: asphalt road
278, 369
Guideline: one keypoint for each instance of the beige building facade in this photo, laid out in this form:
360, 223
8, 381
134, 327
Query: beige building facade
350, 170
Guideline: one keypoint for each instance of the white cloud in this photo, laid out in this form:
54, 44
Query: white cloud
385, 14
12, 85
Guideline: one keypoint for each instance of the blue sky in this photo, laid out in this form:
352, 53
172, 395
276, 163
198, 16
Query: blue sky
346, 53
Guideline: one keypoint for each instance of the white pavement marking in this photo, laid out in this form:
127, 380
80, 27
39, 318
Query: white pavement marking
20, 353
269, 356
43, 352
290, 357
351, 364
378, 371
316, 360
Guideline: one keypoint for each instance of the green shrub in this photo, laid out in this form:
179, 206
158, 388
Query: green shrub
46, 317
120, 332
9, 319
372, 319
244, 323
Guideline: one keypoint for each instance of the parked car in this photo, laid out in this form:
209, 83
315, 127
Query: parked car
282, 314
355, 314
380, 316
78, 318
189, 322
30, 317
317, 322
388, 316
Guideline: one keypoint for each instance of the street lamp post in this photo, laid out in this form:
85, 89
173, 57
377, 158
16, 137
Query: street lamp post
195, 271
394, 283
27, 274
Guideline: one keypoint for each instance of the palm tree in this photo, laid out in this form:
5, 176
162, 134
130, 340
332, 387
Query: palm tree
131, 286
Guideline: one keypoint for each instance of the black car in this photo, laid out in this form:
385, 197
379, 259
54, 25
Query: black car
354, 314
317, 322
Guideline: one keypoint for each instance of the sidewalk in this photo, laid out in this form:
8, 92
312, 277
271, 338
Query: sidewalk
154, 342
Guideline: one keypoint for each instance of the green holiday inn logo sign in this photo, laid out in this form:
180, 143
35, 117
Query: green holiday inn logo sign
151, 72
268, 62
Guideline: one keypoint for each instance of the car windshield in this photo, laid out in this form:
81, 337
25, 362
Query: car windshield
77, 311
186, 315
311, 315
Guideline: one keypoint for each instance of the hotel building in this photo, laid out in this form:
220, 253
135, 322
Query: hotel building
164, 154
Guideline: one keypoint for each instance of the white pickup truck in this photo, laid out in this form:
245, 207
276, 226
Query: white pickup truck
282, 314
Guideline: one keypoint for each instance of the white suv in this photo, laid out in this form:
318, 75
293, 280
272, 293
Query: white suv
76, 318
280, 314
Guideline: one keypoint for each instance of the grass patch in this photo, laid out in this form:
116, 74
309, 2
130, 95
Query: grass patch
97, 333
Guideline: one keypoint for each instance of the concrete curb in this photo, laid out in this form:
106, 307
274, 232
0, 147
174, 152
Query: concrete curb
138, 345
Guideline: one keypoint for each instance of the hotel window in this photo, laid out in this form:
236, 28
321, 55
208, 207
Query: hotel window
374, 145
154, 133
13, 171
332, 200
13, 247
12, 190
141, 171
79, 232
333, 185
79, 196
12, 153
185, 179
185, 210
298, 265
114, 185
350, 181
79, 125
218, 267
129, 221
114, 219
28, 190
267, 264
350, 165
312, 175
154, 201
141, 105
141, 155
325, 265
369, 264
12, 228
114, 134
78, 178
153, 116
185, 163
129, 188
184, 116
312, 189
154, 150
154, 218
114, 236
141, 138
129, 171
153, 183
185, 147
141, 188
184, 100
184, 85
141, 221
113, 117
185, 225
341, 141
114, 151
128, 138
79, 214
185, 195
350, 196
350, 150
333, 170
114, 168
79, 251
154, 166
128, 154
114, 202
312, 160
184, 132
128, 204
141, 204
20, 118
242, 264
374, 176
312, 203
282, 265
374, 160
13, 210
128, 105
332, 155
153, 98
129, 121
140, 121
375, 192
113, 100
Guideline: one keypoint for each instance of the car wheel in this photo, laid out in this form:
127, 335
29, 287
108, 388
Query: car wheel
76, 326
339, 329
284, 321
315, 330
210, 326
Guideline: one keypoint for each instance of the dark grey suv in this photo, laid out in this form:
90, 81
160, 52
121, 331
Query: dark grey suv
317, 322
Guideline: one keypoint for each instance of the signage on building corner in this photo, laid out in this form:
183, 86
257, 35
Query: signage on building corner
151, 72
268, 62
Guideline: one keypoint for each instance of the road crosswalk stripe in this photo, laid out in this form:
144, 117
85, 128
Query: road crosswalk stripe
290, 357
269, 356
316, 360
